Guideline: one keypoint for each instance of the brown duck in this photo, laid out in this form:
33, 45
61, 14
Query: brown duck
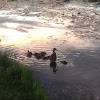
29, 54
53, 56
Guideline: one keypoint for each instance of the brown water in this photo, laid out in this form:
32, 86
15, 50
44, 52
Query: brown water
77, 40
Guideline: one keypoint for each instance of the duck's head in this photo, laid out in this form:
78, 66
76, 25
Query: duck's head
54, 49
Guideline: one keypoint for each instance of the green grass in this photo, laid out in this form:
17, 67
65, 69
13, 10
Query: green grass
17, 81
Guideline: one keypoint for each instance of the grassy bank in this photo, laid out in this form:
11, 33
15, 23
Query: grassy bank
17, 81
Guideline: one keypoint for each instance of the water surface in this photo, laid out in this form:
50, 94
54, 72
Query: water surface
77, 40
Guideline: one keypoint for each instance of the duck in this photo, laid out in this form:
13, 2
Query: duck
29, 54
36, 54
46, 58
53, 56
43, 54
64, 62
39, 55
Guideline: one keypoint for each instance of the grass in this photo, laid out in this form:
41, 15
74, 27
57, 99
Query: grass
17, 81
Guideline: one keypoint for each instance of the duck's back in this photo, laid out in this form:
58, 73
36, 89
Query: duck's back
53, 57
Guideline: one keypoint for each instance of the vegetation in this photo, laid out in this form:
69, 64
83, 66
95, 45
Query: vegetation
17, 81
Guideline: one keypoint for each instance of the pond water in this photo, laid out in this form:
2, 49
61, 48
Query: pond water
74, 32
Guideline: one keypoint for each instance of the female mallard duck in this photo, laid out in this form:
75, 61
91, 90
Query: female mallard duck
29, 54
53, 56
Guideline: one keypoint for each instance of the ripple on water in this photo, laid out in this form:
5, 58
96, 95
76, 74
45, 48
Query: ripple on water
76, 51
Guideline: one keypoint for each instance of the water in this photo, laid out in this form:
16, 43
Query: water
76, 35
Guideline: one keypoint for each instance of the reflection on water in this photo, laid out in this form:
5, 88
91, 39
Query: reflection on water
53, 65
71, 80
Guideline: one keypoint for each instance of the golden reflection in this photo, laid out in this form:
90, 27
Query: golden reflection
11, 33
18, 34
11, 36
14, 36
41, 32
11, 25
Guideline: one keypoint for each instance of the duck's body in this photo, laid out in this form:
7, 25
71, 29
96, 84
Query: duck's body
53, 56
37, 56
29, 54
43, 54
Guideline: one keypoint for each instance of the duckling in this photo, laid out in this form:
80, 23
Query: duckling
53, 56
64, 62
43, 54
46, 58
40, 55
29, 54
37, 56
